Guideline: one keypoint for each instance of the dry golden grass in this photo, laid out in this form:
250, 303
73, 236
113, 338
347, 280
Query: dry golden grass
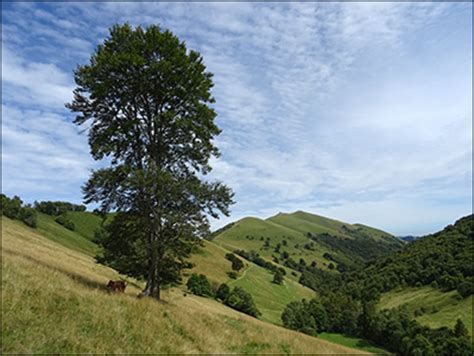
54, 301
210, 260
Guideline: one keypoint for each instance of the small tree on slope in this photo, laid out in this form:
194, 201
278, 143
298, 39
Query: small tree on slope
145, 99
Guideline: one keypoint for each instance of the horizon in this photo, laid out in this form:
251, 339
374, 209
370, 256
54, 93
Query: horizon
357, 112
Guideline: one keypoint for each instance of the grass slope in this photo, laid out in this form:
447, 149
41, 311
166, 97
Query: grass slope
246, 234
86, 223
210, 260
54, 302
353, 342
442, 309
269, 297
49, 228
251, 233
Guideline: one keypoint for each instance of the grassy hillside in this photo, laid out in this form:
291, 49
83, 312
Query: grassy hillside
250, 234
86, 223
307, 236
430, 306
54, 302
269, 297
49, 228
209, 260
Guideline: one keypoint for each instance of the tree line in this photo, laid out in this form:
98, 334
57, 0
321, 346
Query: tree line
14, 208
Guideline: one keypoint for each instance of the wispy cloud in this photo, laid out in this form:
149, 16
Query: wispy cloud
361, 111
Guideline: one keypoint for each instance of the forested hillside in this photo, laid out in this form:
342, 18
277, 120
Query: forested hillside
350, 302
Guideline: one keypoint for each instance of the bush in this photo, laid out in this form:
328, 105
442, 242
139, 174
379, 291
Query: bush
242, 301
232, 275
56, 208
64, 221
28, 216
296, 317
14, 209
199, 285
223, 292
278, 277
465, 289
11, 208
237, 263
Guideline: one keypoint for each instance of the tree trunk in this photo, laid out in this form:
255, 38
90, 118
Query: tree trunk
151, 285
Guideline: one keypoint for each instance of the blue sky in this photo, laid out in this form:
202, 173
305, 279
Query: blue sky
357, 111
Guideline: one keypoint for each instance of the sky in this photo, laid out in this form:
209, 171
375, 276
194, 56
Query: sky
360, 112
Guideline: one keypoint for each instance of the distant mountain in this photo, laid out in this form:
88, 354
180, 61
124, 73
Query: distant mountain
302, 237
409, 238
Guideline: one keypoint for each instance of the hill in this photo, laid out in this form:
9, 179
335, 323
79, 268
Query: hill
270, 298
48, 227
328, 243
54, 302
209, 259
432, 277
431, 307
442, 259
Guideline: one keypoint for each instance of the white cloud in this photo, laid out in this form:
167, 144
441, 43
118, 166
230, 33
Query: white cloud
38, 83
341, 106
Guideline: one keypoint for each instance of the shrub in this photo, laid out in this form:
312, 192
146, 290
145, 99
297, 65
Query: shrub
465, 289
460, 329
278, 277
64, 221
242, 301
296, 317
11, 208
222, 292
232, 275
237, 263
14, 209
199, 285
28, 216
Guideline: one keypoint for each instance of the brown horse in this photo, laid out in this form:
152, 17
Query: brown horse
117, 286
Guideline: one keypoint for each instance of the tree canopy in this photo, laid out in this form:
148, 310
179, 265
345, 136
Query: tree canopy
146, 100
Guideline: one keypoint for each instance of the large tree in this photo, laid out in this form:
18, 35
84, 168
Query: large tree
146, 100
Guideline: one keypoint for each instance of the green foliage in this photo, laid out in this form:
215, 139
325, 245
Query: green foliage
254, 257
349, 298
66, 222
147, 101
307, 317
237, 264
296, 317
278, 277
232, 274
199, 285
56, 208
466, 288
13, 208
460, 329
222, 292
29, 217
241, 300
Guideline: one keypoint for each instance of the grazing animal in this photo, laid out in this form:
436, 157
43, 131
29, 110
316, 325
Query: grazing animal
117, 286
